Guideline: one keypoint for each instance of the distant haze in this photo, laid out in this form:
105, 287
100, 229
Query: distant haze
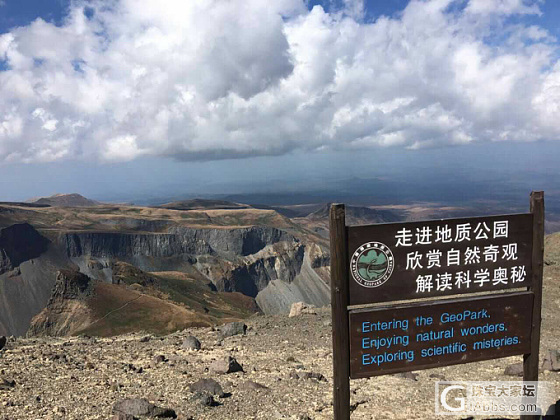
488, 171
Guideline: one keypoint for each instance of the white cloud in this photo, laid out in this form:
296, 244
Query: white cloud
507, 7
211, 79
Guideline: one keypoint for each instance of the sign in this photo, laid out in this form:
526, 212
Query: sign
390, 262
420, 336
413, 261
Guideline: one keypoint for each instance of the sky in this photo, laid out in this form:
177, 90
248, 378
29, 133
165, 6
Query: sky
138, 98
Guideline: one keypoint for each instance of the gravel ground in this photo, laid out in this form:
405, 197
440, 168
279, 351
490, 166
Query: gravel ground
82, 378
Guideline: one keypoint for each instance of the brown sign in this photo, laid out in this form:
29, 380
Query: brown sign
390, 262
432, 334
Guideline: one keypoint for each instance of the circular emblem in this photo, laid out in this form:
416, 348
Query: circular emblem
372, 264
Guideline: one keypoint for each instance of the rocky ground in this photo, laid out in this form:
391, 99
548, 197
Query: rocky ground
287, 373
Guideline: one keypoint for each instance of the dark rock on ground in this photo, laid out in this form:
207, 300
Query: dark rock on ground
233, 328
123, 417
307, 375
191, 343
3, 341
7, 383
160, 358
142, 407
249, 385
205, 399
225, 365
515, 369
408, 375
207, 385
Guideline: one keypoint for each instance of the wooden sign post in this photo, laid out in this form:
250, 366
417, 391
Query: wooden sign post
385, 263
339, 306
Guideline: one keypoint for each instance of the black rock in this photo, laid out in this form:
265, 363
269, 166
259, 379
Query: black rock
226, 365
6, 384
3, 341
205, 399
515, 369
191, 343
142, 407
408, 375
233, 328
307, 375
160, 358
207, 385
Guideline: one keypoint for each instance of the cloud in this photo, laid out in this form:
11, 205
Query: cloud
508, 7
214, 79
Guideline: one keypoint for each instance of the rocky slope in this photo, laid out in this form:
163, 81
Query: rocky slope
134, 301
287, 373
29, 263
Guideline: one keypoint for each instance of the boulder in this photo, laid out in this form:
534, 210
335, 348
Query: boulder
233, 328
515, 369
225, 365
142, 407
160, 358
300, 308
207, 385
205, 399
191, 343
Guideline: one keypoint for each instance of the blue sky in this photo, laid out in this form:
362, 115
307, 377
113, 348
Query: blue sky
280, 86
22, 12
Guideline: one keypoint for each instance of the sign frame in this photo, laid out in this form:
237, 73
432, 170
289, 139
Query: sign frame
340, 280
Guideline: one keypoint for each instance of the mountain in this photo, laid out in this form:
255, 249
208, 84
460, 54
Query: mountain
65, 200
356, 215
318, 220
134, 301
216, 263
201, 204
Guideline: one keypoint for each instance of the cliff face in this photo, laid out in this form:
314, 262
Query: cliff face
257, 255
244, 260
67, 309
178, 241
28, 266
20, 243
277, 262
